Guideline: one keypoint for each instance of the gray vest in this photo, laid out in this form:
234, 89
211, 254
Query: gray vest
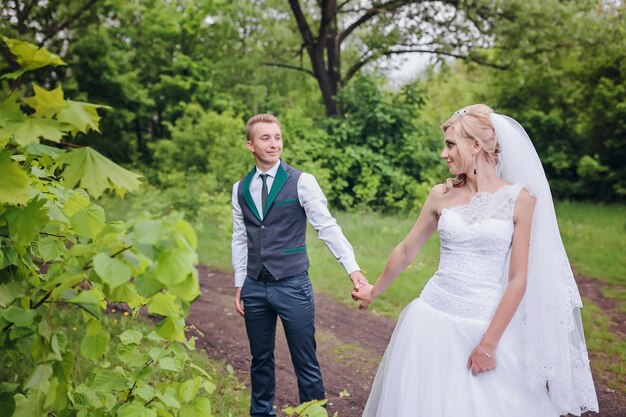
277, 242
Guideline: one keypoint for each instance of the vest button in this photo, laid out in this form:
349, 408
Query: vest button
262, 227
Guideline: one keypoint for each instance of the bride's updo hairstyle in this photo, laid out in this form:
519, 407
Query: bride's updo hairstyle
472, 123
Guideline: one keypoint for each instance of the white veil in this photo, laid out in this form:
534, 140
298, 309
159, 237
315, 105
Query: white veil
555, 353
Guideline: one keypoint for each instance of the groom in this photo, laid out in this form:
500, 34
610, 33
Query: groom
270, 208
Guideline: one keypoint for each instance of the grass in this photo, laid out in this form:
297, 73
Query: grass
595, 239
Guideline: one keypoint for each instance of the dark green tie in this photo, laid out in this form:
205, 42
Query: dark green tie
264, 192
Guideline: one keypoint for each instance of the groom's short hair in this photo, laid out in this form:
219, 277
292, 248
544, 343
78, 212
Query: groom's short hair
259, 118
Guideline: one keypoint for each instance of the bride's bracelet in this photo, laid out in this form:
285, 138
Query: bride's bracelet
486, 354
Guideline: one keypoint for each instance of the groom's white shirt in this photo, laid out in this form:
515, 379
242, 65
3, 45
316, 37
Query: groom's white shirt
314, 202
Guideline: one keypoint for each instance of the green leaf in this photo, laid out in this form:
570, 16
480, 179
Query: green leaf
189, 389
40, 375
24, 223
174, 265
170, 364
15, 182
200, 407
164, 304
169, 400
29, 57
90, 301
112, 271
94, 344
10, 110
88, 221
9, 292
172, 329
19, 317
50, 248
46, 103
96, 173
135, 409
31, 129
189, 289
147, 285
81, 116
147, 232
145, 392
185, 229
108, 380
129, 337
78, 200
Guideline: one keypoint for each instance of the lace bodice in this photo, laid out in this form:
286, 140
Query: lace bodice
475, 242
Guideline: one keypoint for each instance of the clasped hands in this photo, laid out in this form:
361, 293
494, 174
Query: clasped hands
363, 290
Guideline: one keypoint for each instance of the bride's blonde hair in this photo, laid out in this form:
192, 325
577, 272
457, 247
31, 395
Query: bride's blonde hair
472, 123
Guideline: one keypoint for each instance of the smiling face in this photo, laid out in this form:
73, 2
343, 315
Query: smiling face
266, 144
454, 153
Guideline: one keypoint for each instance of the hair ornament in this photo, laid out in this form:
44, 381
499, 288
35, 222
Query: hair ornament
460, 113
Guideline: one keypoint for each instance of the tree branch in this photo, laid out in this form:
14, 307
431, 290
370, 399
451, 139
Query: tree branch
56, 29
366, 60
303, 26
371, 13
293, 67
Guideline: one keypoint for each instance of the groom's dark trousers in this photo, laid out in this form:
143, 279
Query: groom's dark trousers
291, 299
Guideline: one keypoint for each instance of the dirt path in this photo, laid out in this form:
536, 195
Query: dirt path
350, 345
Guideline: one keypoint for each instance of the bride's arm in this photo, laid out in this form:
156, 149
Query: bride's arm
516, 287
407, 250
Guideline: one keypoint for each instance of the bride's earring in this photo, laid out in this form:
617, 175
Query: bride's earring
474, 163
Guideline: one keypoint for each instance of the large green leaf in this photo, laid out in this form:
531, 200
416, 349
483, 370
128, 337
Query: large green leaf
199, 407
15, 182
131, 337
50, 248
96, 173
19, 317
112, 271
174, 265
172, 329
24, 223
10, 110
29, 57
95, 342
31, 129
88, 221
164, 304
81, 116
46, 103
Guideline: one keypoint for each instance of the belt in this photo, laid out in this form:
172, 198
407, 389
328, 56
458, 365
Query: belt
265, 276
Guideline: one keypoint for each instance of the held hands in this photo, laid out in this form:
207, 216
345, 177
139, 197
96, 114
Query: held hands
365, 293
482, 359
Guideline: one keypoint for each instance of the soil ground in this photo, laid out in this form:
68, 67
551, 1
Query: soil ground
350, 345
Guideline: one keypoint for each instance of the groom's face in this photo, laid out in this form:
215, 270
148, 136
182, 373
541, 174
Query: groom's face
266, 143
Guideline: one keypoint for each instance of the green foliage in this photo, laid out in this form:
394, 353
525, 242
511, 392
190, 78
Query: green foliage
312, 408
57, 249
564, 82
382, 154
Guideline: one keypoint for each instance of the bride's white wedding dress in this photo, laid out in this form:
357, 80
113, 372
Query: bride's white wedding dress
423, 372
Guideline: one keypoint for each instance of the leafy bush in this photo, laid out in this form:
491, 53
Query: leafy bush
57, 249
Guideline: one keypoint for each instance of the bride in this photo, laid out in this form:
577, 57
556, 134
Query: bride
497, 330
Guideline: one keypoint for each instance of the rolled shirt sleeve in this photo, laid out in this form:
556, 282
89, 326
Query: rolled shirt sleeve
314, 202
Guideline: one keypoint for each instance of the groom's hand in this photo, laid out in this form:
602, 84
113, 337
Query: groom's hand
357, 279
238, 303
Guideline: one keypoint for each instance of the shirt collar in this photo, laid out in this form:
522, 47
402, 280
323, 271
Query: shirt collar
271, 172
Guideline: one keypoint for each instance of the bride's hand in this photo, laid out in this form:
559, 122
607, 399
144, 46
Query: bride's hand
365, 294
481, 361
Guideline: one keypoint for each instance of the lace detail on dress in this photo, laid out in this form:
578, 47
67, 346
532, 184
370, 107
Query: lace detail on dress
485, 205
475, 243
